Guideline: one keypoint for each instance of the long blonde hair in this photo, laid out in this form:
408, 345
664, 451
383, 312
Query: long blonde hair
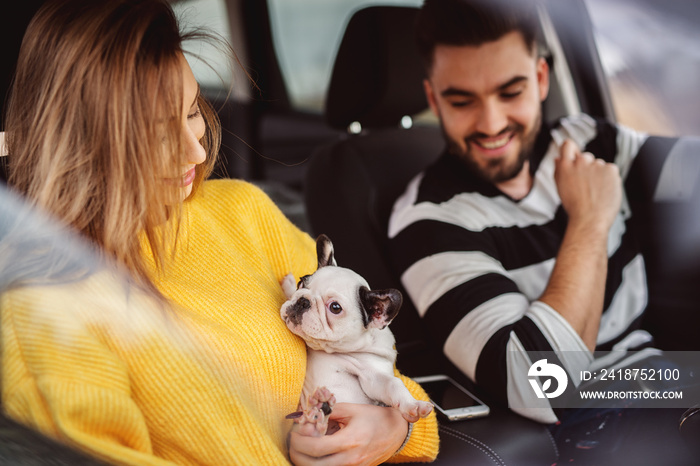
94, 127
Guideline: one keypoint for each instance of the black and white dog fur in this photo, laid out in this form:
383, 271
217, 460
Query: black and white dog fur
351, 352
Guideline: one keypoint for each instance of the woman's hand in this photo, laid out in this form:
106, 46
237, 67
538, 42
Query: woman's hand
367, 435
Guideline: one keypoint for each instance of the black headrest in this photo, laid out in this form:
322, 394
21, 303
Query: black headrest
377, 76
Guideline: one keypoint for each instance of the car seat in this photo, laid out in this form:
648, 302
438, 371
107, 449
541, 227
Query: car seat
351, 184
376, 93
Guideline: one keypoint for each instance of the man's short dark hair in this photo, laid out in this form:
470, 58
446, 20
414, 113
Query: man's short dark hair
473, 23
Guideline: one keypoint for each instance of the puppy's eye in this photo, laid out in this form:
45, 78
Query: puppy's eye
335, 307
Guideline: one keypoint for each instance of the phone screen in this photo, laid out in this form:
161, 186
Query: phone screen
447, 395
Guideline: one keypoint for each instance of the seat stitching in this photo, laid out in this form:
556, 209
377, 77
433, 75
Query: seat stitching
475, 443
554, 444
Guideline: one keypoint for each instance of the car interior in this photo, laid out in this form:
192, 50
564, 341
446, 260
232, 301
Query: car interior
339, 170
353, 208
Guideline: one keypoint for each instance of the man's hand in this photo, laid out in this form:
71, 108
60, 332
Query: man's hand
367, 435
591, 192
590, 189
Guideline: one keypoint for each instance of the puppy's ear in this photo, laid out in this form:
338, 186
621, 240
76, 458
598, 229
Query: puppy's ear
324, 251
379, 306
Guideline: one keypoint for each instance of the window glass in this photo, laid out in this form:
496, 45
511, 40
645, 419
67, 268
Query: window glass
307, 34
651, 56
210, 65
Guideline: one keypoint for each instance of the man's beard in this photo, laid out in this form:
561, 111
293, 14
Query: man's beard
496, 171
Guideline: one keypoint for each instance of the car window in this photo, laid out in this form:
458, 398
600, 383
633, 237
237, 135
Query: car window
306, 35
650, 54
209, 14
213, 68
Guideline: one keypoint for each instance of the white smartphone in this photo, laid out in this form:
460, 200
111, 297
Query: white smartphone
451, 399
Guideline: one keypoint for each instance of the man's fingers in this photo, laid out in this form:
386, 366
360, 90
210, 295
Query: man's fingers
587, 157
568, 150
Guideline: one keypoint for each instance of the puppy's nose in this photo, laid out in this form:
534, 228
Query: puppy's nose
302, 304
296, 310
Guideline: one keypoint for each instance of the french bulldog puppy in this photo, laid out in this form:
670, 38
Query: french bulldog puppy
350, 349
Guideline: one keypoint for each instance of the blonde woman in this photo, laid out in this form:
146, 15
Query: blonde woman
190, 363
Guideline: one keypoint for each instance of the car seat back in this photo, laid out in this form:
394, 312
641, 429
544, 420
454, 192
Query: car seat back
351, 183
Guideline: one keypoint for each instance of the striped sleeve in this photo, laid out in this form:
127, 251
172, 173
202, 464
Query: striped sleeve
474, 309
653, 168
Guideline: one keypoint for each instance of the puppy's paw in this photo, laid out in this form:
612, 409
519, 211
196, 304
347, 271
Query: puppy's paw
323, 399
288, 285
424, 408
415, 410
314, 423
314, 418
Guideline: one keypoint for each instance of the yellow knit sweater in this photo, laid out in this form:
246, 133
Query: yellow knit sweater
208, 379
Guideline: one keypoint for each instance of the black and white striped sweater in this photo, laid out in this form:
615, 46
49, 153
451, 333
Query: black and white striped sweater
474, 262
